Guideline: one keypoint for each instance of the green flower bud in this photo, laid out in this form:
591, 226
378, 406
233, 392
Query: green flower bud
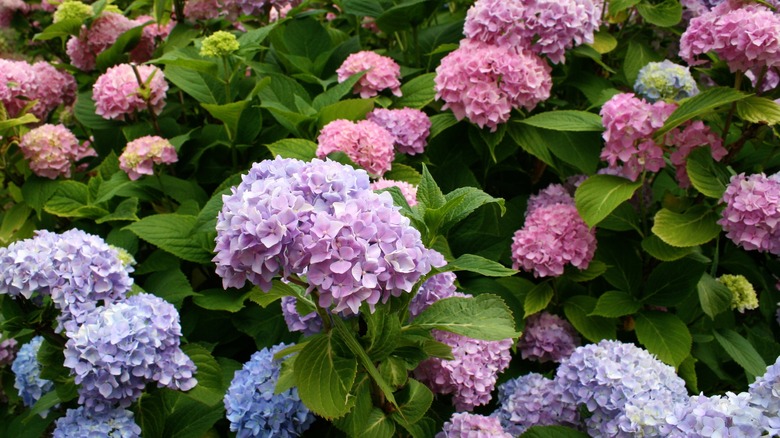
125, 257
72, 9
219, 44
744, 296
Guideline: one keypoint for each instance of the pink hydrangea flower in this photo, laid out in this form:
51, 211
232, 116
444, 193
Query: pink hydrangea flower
550, 195
367, 144
117, 93
465, 425
7, 10
53, 87
204, 9
152, 33
141, 154
483, 82
52, 150
408, 190
410, 127
383, 73
91, 41
16, 79
744, 35
751, 218
552, 237
629, 124
693, 135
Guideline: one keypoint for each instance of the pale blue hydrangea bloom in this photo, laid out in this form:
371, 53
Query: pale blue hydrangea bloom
252, 407
28, 373
82, 423
765, 395
665, 80
728, 416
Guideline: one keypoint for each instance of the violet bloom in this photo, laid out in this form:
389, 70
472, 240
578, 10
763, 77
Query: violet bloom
409, 126
309, 323
533, 400
484, 83
465, 425
382, 73
53, 150
547, 337
550, 195
141, 154
366, 143
765, 396
8, 348
730, 415
118, 94
436, 288
81, 422
751, 218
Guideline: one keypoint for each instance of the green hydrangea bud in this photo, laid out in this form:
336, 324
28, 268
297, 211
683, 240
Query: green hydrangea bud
112, 8
125, 257
744, 296
72, 9
219, 44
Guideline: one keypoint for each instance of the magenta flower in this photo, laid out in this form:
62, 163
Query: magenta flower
382, 73
751, 218
141, 154
52, 150
117, 92
409, 126
367, 144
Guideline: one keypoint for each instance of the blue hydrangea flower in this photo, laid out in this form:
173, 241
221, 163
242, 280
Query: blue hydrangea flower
252, 407
533, 400
28, 373
114, 423
729, 416
765, 395
124, 345
665, 80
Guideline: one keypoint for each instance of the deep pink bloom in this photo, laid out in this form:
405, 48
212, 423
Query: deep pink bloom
141, 154
91, 41
408, 190
52, 150
751, 218
367, 144
409, 126
117, 92
694, 134
21, 82
382, 73
7, 10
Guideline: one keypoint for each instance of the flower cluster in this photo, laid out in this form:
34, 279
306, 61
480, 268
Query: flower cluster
751, 218
7, 351
72, 10
465, 425
141, 154
438, 287
409, 126
764, 396
547, 337
730, 415
320, 218
744, 296
8, 8
745, 36
366, 143
28, 373
408, 190
483, 82
309, 323
52, 150
124, 345
253, 407
691, 135
219, 44
665, 80
550, 195
21, 82
547, 27
233, 9
533, 400
381, 73
119, 92
608, 376
115, 423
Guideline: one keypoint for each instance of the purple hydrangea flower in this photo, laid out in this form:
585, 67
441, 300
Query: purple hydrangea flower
765, 395
309, 323
27, 373
550, 195
438, 287
607, 376
533, 400
365, 142
409, 126
751, 218
122, 346
725, 416
465, 425
382, 73
8, 348
80, 422
547, 337
254, 410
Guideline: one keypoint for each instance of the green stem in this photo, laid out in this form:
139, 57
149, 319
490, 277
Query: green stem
146, 96
730, 116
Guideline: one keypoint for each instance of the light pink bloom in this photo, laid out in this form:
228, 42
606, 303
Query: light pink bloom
117, 93
141, 154
52, 150
382, 73
367, 144
751, 218
408, 190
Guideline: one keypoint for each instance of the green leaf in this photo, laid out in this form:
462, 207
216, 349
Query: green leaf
230, 300
84, 111
599, 195
417, 93
405, 15
687, 370
537, 299
604, 42
664, 14
639, 54
297, 148
440, 122
172, 232
672, 282
659, 249
714, 296
210, 389
402, 172
22, 120
595, 269
484, 316
361, 8
277, 291
395, 371
756, 109
335, 93
566, 120
125, 211
13, 220
189, 418
480, 265
429, 195
616, 6
324, 377
61, 29
203, 87
382, 332
580, 149
698, 105
553, 431
413, 402
350, 109
707, 176
531, 141
118, 52
229, 114
170, 284
594, 328
696, 226
742, 351
461, 202
44, 404
614, 304
664, 335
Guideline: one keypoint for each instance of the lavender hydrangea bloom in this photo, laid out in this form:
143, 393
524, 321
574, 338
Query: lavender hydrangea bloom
309, 323
438, 287
124, 345
765, 395
533, 400
252, 407
28, 373
665, 80
605, 377
547, 337
465, 425
717, 416
114, 423
409, 126
7, 351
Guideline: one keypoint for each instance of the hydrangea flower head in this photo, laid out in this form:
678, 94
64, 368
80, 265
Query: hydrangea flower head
665, 81
8, 349
28, 373
17, 81
436, 288
533, 400
765, 396
382, 73
550, 195
547, 337
408, 190
102, 33
751, 218
7, 10
730, 415
219, 44
53, 88
52, 150
552, 237
115, 423
409, 126
124, 345
204, 9
118, 94
141, 154
72, 10
484, 83
366, 143
684, 139
308, 324
744, 296
465, 425
254, 410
